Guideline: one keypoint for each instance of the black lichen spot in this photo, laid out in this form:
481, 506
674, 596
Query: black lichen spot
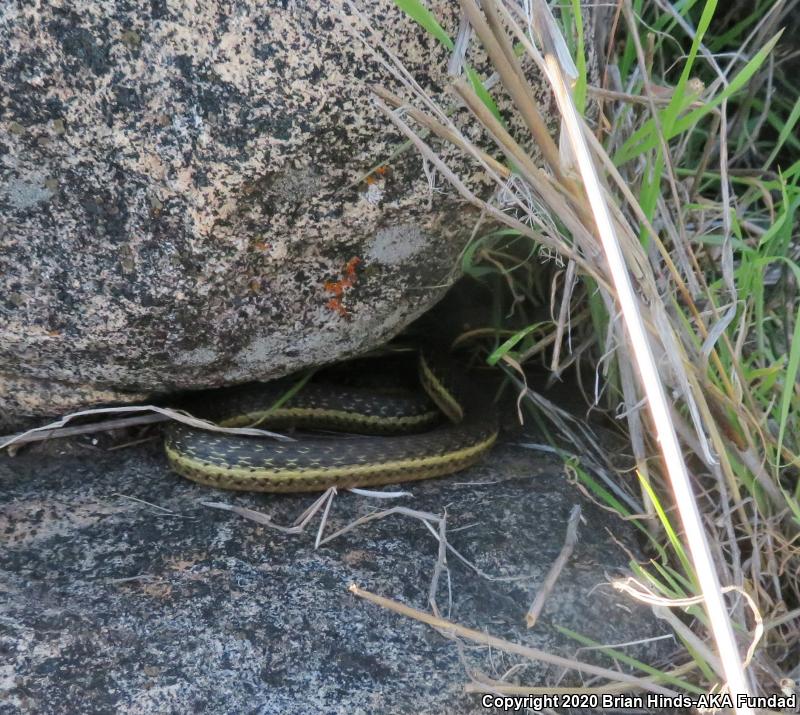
80, 44
315, 74
158, 9
265, 51
277, 126
55, 107
28, 104
106, 212
213, 96
127, 99
184, 65
262, 23
147, 300
279, 65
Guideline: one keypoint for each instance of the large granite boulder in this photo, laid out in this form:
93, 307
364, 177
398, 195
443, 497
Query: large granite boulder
193, 195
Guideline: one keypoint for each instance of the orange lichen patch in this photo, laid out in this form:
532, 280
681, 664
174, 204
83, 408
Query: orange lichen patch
334, 287
338, 288
378, 175
335, 304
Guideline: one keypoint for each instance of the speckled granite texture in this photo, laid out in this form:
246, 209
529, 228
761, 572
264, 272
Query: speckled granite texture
186, 198
110, 605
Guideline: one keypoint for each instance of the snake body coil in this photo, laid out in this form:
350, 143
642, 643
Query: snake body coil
244, 463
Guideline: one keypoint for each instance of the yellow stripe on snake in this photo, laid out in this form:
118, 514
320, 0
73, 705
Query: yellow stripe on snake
389, 455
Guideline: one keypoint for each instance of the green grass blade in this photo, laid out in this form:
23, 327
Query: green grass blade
579, 91
620, 657
790, 379
645, 139
424, 17
670, 531
482, 92
509, 344
787, 132
678, 101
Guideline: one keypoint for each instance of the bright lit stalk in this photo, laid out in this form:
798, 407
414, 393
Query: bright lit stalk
656, 397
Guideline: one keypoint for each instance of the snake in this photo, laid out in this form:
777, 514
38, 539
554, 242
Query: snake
446, 427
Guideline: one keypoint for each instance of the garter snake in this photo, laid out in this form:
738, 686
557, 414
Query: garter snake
395, 451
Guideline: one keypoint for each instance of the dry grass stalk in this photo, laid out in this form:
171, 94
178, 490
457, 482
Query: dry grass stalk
438, 128
57, 428
456, 630
505, 63
705, 569
17, 440
564, 555
480, 686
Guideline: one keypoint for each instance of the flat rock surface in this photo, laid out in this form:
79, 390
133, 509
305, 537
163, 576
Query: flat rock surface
111, 604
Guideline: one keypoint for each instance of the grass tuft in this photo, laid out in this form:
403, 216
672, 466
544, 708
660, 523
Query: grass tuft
691, 132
